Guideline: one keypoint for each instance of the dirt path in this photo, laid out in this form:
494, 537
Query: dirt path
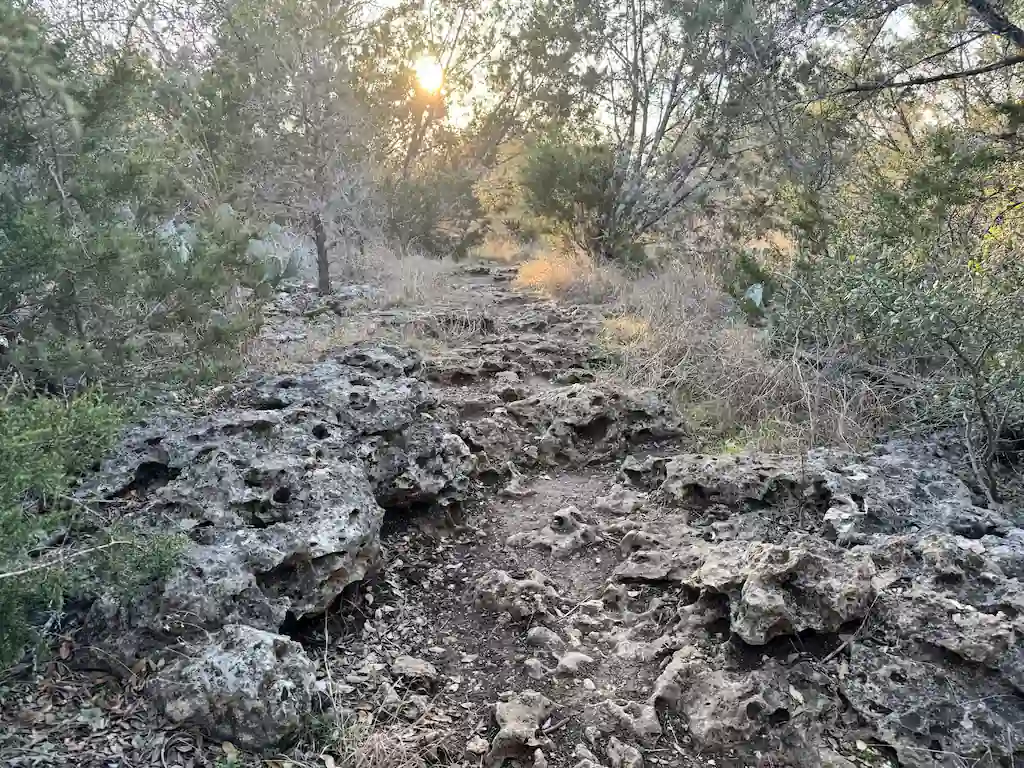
666, 608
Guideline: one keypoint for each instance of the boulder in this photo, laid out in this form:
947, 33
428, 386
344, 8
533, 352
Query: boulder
580, 424
519, 717
281, 494
252, 688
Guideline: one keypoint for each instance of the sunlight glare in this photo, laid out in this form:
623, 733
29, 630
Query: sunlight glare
429, 73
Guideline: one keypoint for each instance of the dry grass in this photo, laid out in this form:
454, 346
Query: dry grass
677, 330
555, 270
271, 353
501, 248
404, 280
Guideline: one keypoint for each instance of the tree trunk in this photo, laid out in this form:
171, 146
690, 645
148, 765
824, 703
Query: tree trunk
323, 275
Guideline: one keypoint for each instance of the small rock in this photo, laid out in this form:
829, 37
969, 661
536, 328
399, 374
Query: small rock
589, 684
569, 663
623, 755
477, 746
542, 637
535, 669
412, 669
539, 761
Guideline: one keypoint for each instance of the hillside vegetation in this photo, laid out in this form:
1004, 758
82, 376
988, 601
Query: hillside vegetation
802, 222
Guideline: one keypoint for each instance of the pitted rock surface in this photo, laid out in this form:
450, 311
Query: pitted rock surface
553, 543
243, 685
281, 496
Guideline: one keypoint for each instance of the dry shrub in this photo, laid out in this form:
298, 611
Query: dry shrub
405, 280
497, 247
676, 329
294, 353
559, 271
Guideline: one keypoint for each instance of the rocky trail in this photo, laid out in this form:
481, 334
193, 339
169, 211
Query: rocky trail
454, 541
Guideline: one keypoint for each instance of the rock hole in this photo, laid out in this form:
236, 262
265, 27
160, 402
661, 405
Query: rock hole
754, 709
596, 430
282, 495
490, 477
321, 431
287, 384
898, 677
779, 716
268, 404
149, 476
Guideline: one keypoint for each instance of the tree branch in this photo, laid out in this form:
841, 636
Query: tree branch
997, 21
884, 85
59, 560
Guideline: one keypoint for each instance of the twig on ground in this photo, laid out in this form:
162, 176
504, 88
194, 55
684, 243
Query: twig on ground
846, 643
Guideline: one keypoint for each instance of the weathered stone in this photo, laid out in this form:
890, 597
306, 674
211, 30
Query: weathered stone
542, 637
414, 671
923, 711
518, 720
569, 663
580, 424
623, 755
568, 532
619, 501
727, 708
252, 688
281, 494
773, 590
521, 598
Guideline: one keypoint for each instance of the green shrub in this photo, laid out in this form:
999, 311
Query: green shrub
920, 281
44, 443
573, 185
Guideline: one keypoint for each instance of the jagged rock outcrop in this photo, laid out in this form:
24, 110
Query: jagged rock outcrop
580, 424
887, 551
931, 713
281, 495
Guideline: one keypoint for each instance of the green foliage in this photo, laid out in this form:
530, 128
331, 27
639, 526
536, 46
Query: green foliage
108, 284
436, 211
573, 185
922, 277
44, 442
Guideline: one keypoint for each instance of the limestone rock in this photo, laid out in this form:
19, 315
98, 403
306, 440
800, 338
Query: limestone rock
569, 663
522, 598
281, 491
477, 746
535, 669
623, 755
581, 423
252, 688
726, 708
542, 637
414, 671
923, 712
619, 501
568, 532
518, 718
